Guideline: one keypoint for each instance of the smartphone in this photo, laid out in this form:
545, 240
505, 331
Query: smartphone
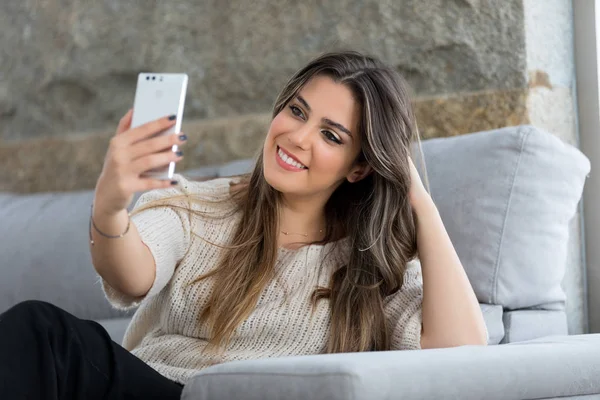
159, 95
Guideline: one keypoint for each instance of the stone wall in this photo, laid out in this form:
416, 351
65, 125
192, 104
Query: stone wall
75, 69
68, 72
72, 66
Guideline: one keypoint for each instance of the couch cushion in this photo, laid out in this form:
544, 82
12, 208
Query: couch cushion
521, 325
232, 168
556, 366
492, 315
115, 327
236, 168
506, 198
45, 255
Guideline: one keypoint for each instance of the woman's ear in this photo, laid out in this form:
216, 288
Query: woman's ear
359, 172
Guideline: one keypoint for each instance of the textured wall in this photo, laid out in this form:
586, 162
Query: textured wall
71, 66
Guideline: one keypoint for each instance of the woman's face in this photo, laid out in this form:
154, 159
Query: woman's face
313, 142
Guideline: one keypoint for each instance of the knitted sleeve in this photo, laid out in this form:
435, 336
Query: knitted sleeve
165, 231
403, 310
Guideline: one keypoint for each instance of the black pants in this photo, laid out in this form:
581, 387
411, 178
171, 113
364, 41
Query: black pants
47, 353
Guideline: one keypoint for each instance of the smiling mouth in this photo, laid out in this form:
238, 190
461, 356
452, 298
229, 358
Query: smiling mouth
288, 160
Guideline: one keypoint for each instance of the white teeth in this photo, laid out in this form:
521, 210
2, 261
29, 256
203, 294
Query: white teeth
289, 160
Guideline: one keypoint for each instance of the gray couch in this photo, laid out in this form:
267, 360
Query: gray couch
507, 198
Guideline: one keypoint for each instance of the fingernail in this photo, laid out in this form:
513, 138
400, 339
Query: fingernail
172, 117
182, 137
179, 153
174, 182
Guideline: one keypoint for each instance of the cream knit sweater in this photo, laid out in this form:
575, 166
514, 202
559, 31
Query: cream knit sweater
164, 331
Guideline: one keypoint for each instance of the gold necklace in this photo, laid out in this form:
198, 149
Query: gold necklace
301, 234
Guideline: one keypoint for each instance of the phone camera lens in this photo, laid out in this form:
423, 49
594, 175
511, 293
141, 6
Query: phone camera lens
153, 78
147, 78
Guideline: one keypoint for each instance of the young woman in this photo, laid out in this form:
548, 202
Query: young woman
331, 244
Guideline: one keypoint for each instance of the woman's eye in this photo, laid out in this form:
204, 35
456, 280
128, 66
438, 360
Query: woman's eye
296, 111
331, 137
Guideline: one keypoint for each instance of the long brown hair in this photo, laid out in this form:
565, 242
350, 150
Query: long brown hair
374, 214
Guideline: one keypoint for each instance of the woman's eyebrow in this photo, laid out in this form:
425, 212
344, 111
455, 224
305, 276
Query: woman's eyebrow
336, 125
326, 120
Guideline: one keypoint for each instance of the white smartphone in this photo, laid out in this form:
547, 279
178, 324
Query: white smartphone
159, 95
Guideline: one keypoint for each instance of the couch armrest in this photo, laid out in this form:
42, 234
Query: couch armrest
542, 368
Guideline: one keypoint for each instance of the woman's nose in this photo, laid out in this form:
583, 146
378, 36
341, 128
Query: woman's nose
301, 137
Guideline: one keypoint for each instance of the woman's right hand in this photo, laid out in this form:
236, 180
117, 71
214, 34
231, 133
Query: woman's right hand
132, 152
